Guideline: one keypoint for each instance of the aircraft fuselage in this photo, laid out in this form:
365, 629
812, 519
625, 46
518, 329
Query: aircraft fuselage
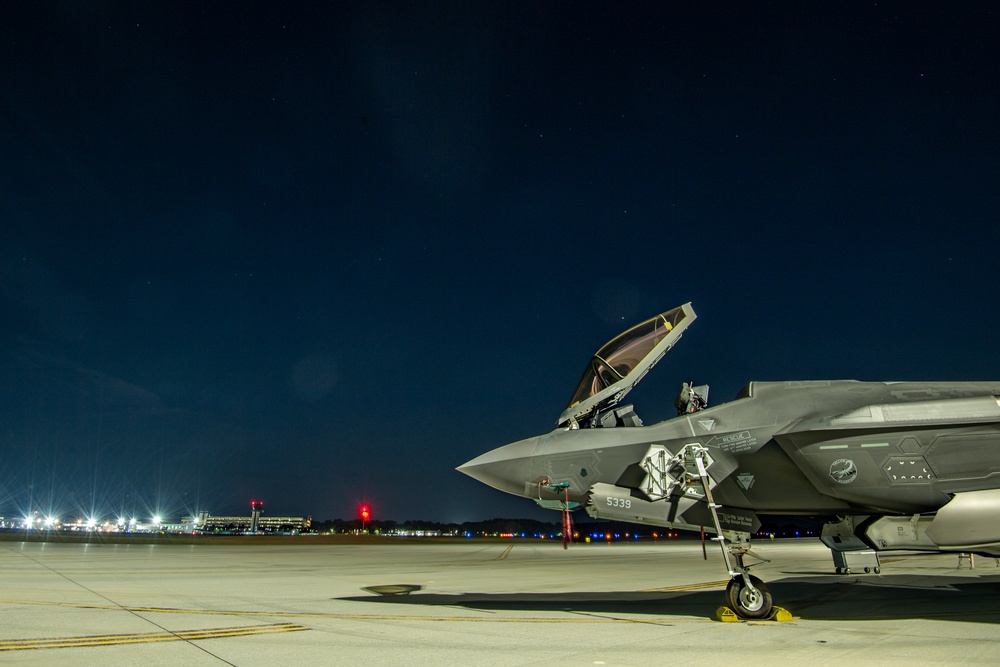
819, 448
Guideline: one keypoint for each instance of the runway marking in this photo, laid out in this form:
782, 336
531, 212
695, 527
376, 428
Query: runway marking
353, 617
496, 619
147, 637
460, 619
505, 552
688, 587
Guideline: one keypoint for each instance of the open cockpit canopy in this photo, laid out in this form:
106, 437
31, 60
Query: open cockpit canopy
623, 361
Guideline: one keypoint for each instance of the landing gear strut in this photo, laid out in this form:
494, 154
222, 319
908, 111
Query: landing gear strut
747, 595
685, 474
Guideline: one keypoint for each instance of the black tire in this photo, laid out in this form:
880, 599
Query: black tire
746, 603
838, 570
878, 570
867, 570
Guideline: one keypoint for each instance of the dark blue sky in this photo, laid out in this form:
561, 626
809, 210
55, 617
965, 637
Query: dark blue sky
321, 252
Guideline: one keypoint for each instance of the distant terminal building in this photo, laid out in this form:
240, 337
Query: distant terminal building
255, 523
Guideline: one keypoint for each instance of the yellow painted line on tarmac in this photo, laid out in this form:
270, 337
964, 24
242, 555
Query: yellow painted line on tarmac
688, 587
358, 617
516, 619
505, 552
147, 637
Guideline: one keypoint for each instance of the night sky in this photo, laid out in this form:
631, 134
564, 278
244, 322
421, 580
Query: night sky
323, 252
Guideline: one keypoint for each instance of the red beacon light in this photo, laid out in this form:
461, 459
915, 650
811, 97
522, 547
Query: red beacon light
366, 514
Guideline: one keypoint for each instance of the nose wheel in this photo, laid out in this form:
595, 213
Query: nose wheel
753, 601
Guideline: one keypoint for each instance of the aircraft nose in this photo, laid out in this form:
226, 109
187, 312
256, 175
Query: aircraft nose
504, 468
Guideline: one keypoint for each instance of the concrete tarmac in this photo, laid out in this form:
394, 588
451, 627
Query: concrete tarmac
522, 602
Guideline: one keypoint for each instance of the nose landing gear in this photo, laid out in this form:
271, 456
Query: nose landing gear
747, 595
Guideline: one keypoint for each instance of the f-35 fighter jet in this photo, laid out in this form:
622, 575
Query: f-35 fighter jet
885, 465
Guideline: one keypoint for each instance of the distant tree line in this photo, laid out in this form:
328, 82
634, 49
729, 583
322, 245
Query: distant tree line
475, 527
781, 526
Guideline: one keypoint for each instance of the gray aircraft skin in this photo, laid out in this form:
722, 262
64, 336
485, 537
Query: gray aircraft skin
886, 465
